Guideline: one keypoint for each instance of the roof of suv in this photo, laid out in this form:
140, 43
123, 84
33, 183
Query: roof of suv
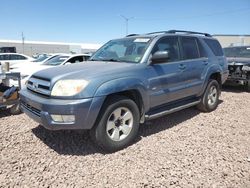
170, 32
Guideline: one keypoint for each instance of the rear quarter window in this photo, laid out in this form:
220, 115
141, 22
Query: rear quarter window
215, 46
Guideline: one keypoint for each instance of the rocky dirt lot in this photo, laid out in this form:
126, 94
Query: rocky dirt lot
184, 149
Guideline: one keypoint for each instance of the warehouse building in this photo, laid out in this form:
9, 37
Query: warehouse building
37, 47
233, 40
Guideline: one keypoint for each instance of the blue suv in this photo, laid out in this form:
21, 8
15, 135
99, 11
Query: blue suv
126, 82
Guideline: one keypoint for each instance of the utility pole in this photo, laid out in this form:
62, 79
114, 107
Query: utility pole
23, 38
126, 22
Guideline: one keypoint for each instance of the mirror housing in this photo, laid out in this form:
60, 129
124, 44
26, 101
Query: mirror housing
160, 56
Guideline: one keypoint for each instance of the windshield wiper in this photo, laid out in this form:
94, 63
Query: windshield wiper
112, 59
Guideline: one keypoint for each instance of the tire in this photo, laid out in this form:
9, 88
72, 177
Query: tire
210, 97
248, 85
15, 109
113, 130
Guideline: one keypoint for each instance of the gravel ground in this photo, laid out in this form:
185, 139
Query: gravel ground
184, 149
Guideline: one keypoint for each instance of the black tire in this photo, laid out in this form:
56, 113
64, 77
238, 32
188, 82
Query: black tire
15, 109
105, 138
248, 85
207, 103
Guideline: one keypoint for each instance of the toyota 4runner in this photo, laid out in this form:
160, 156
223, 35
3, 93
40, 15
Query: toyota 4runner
126, 82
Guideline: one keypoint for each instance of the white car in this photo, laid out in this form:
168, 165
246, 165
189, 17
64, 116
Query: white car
14, 58
40, 60
57, 60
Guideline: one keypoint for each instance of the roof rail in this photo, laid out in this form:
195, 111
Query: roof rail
189, 32
130, 35
157, 32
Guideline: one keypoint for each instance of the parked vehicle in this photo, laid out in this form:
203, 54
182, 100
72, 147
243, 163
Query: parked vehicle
7, 49
27, 69
14, 58
126, 82
239, 65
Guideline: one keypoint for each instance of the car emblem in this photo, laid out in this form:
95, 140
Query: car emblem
35, 86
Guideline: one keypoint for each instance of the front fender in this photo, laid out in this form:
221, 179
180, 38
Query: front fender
124, 84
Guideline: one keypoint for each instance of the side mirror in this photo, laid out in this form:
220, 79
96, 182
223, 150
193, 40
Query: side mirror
160, 56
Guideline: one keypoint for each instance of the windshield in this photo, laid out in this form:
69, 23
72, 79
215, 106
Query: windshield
122, 50
57, 60
41, 58
237, 52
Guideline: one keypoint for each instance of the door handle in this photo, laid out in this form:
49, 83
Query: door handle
182, 66
205, 62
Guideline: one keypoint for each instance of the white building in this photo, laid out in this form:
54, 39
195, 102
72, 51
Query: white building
35, 47
233, 40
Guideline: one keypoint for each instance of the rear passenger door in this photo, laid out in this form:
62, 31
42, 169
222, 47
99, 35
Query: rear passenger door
195, 62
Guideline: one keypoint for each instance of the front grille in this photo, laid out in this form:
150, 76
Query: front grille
31, 109
39, 85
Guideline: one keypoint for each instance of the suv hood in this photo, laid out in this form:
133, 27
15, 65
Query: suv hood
238, 61
86, 70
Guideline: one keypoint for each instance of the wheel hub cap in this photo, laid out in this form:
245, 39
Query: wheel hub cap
119, 124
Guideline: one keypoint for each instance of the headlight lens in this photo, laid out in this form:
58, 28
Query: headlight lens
68, 87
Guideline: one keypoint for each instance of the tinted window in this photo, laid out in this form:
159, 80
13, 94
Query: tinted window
190, 48
17, 57
76, 59
4, 57
169, 44
215, 46
202, 51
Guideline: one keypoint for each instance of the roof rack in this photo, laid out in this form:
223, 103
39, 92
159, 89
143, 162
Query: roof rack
180, 31
189, 32
130, 35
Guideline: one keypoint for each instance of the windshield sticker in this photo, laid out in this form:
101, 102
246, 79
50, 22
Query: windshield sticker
142, 40
248, 48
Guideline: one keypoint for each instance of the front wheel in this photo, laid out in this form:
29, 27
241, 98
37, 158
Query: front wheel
210, 98
117, 124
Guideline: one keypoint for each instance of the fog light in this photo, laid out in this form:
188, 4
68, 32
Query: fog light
63, 118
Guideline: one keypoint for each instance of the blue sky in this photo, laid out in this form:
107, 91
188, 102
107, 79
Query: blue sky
97, 21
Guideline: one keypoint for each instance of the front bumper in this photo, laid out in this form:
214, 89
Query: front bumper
40, 109
236, 81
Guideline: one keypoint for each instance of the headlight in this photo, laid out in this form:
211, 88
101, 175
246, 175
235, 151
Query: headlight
68, 87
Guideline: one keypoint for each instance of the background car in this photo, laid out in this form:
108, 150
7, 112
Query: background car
14, 58
239, 65
28, 69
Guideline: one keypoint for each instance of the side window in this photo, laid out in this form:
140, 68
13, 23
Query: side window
17, 57
190, 48
169, 44
76, 59
202, 51
86, 58
215, 46
4, 57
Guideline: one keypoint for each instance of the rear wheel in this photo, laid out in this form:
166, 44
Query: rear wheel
117, 125
248, 85
210, 98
